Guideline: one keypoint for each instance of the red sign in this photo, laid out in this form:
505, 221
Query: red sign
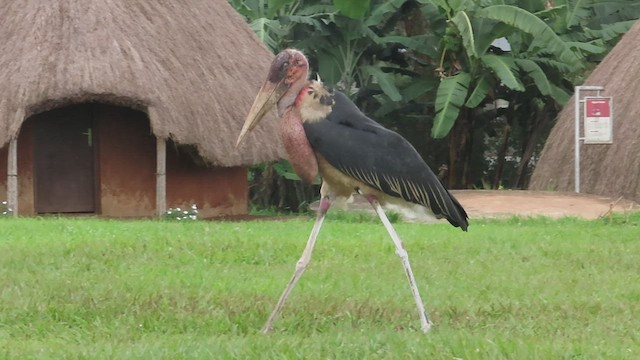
598, 126
598, 107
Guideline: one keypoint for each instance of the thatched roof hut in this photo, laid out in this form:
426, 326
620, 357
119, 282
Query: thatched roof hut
610, 170
191, 67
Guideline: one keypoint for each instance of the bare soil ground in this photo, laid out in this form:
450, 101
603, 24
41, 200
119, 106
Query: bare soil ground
506, 203
501, 203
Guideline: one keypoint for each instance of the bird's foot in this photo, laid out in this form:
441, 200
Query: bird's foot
426, 327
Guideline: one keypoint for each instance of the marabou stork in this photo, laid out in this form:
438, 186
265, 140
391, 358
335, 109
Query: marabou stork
325, 133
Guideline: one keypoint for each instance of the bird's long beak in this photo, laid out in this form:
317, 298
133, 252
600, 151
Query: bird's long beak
268, 96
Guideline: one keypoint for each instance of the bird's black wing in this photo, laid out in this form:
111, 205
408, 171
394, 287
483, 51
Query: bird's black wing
379, 157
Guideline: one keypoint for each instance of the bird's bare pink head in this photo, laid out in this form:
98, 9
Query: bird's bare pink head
287, 75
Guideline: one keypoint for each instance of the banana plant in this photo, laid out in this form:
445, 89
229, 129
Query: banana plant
476, 67
273, 21
420, 65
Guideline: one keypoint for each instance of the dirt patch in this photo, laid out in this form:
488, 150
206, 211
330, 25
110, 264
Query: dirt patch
503, 203
506, 203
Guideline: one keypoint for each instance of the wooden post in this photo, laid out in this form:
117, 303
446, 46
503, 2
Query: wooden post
161, 176
12, 176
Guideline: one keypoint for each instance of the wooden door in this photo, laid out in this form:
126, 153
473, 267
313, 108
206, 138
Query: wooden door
64, 158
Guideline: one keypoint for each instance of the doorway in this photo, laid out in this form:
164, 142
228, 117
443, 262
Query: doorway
65, 160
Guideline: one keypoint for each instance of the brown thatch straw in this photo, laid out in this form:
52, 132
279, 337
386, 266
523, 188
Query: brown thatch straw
193, 65
610, 170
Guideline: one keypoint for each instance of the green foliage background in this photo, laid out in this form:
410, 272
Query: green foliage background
475, 86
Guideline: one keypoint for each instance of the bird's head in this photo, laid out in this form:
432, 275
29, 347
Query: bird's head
287, 75
314, 101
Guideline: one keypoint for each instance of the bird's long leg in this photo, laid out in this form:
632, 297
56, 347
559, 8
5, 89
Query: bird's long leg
302, 264
404, 256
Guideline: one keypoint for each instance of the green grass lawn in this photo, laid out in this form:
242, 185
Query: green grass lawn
509, 289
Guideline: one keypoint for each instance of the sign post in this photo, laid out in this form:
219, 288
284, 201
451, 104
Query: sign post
598, 123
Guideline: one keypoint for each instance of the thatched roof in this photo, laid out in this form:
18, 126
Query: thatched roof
194, 66
611, 170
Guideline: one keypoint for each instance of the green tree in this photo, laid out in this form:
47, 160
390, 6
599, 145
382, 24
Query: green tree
434, 71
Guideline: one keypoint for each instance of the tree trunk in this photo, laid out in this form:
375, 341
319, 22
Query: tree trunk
541, 121
502, 153
467, 150
460, 148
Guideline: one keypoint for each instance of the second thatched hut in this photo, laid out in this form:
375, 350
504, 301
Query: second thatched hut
610, 170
